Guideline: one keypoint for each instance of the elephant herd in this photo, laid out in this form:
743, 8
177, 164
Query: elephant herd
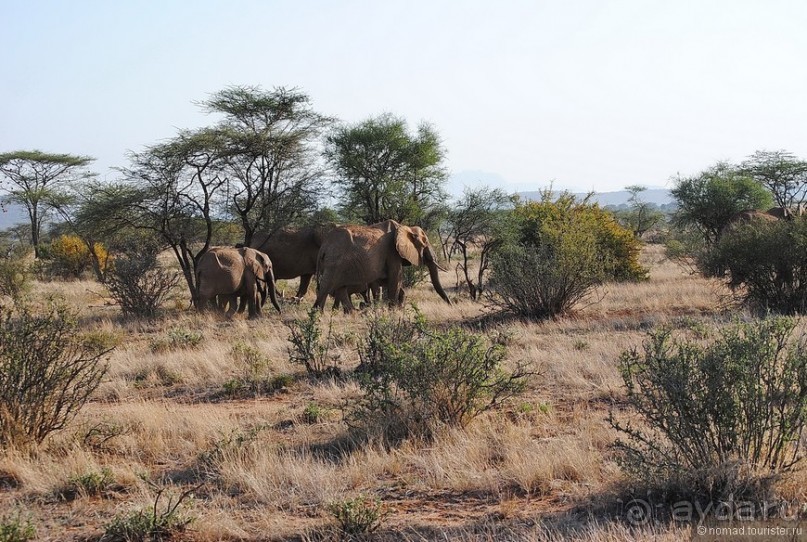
346, 260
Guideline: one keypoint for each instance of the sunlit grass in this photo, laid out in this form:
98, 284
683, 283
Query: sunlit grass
162, 419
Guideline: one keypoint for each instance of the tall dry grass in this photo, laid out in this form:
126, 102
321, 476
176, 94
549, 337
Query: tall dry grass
161, 420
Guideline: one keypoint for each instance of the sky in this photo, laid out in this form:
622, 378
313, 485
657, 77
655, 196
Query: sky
586, 95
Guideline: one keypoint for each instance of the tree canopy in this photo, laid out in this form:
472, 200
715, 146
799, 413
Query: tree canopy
784, 175
384, 172
269, 155
32, 179
708, 200
475, 220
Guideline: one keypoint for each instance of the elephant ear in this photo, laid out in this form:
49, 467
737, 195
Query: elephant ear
409, 245
262, 264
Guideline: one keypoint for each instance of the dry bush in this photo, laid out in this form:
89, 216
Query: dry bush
47, 373
15, 274
722, 419
137, 281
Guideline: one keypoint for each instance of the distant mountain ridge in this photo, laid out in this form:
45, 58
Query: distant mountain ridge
659, 196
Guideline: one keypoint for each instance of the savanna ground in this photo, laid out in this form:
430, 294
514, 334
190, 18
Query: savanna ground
540, 468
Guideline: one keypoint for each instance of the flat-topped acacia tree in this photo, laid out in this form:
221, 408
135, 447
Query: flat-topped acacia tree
32, 179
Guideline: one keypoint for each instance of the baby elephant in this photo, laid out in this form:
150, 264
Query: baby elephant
231, 273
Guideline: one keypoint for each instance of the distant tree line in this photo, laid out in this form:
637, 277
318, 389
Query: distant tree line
745, 223
271, 161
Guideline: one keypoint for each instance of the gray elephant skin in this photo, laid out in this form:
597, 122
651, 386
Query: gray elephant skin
229, 273
354, 257
293, 253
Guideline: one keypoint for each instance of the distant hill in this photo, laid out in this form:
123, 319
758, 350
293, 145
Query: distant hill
659, 196
11, 215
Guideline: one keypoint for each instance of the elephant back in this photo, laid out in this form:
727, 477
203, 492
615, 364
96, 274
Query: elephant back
220, 271
293, 251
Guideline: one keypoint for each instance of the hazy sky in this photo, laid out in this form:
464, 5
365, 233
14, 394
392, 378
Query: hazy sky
591, 94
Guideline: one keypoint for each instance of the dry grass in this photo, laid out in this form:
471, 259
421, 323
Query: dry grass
161, 420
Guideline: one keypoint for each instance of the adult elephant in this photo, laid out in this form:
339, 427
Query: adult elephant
353, 257
787, 213
748, 216
293, 253
227, 274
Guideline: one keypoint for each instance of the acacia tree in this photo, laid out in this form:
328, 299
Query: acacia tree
269, 155
642, 215
172, 191
781, 173
31, 179
474, 222
385, 172
708, 201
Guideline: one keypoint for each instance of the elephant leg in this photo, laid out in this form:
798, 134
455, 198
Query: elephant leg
375, 290
320, 302
305, 280
323, 290
231, 303
343, 297
253, 304
393, 285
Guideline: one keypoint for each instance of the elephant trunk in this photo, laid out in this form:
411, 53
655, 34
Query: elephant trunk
270, 285
434, 273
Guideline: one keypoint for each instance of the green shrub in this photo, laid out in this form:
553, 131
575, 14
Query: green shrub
314, 413
155, 374
708, 201
150, 525
721, 417
766, 263
99, 434
47, 373
416, 377
544, 222
254, 368
90, 484
281, 381
556, 253
100, 340
177, 338
359, 515
310, 348
14, 528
